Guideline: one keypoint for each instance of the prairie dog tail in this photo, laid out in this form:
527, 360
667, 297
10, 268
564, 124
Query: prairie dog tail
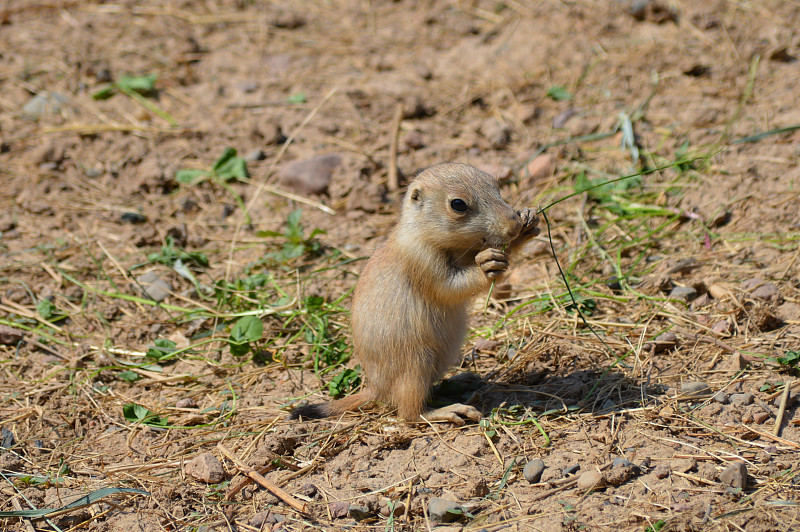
334, 408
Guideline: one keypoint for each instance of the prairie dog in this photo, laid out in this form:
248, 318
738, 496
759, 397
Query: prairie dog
410, 307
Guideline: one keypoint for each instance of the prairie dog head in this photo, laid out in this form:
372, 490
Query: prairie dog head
456, 207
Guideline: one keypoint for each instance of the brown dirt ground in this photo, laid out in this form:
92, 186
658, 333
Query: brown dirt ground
472, 80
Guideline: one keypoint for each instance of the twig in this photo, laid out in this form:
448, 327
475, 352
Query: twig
18, 507
393, 182
268, 484
782, 410
772, 437
300, 199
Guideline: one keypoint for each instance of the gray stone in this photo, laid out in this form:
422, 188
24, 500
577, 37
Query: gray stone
45, 103
310, 176
720, 397
722, 327
153, 286
9, 335
339, 509
358, 512
255, 155
482, 344
735, 475
497, 133
663, 342
186, 402
133, 218
684, 293
695, 388
206, 468
570, 469
761, 289
444, 511
741, 399
533, 470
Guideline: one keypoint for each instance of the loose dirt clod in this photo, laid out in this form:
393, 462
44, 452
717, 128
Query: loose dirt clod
206, 467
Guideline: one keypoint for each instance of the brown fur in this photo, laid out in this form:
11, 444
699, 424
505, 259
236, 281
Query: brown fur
409, 315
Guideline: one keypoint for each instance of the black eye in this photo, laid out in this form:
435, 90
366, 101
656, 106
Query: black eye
459, 205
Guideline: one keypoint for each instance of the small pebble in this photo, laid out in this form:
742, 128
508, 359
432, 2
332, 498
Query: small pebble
154, 287
736, 362
684, 293
722, 328
684, 465
399, 508
533, 470
444, 511
497, 133
310, 176
735, 475
486, 345
414, 140
133, 218
186, 402
358, 512
339, 509
720, 397
9, 335
206, 468
694, 388
741, 399
590, 480
255, 155
663, 342
760, 417
560, 120
7, 439
661, 471
45, 103
570, 469
541, 167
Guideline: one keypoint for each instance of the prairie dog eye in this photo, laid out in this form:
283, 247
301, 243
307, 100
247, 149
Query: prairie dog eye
459, 205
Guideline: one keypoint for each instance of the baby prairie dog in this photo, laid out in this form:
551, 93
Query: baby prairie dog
410, 308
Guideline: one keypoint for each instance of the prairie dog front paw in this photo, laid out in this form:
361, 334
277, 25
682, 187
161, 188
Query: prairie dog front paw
530, 224
493, 262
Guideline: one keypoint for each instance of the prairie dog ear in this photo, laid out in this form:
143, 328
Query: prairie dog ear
415, 194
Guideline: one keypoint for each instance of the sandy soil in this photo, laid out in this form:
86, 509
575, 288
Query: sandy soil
538, 93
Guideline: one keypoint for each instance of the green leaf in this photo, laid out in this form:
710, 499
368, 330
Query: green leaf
46, 309
141, 84
558, 93
247, 329
297, 97
189, 176
90, 498
161, 349
791, 359
344, 382
240, 350
129, 376
314, 302
229, 166
294, 231
105, 93
268, 234
138, 414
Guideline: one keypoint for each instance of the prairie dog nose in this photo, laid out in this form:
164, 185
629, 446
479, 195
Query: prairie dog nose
513, 225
